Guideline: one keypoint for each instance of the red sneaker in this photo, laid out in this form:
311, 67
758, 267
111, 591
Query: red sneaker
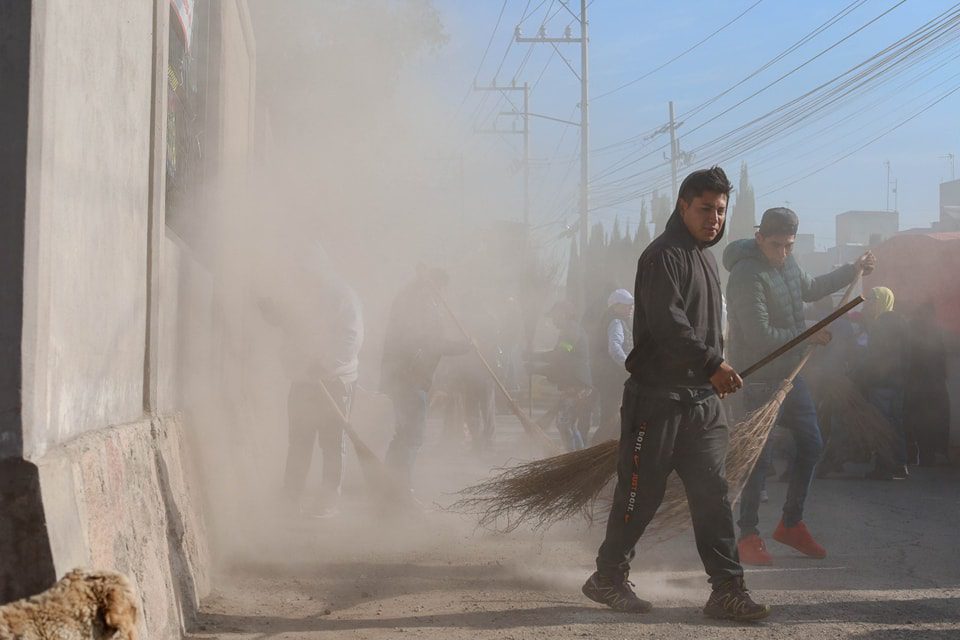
800, 539
753, 551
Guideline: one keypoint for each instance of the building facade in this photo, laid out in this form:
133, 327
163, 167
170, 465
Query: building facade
112, 114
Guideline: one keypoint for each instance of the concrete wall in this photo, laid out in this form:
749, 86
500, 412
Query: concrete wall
119, 498
86, 218
14, 103
858, 227
117, 318
950, 206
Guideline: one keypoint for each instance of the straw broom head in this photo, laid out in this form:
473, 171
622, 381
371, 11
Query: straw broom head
863, 423
542, 492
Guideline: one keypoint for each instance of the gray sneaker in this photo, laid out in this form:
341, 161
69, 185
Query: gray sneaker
615, 592
730, 600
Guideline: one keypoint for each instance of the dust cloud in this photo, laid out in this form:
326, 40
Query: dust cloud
358, 178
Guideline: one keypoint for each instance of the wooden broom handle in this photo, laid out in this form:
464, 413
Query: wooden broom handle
802, 337
361, 446
531, 427
843, 307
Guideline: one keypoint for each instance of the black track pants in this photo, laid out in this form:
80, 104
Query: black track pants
659, 435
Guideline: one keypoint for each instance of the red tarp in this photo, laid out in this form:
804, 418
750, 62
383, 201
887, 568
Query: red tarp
919, 267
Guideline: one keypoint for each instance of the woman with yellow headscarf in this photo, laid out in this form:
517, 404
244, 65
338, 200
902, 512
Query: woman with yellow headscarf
881, 375
879, 301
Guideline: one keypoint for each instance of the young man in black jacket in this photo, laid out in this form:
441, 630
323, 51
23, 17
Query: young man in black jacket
671, 418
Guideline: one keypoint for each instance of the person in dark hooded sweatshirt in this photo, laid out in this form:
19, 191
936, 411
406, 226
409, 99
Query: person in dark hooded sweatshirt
671, 415
765, 296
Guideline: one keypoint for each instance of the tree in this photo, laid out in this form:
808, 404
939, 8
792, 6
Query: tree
662, 208
744, 214
642, 239
615, 235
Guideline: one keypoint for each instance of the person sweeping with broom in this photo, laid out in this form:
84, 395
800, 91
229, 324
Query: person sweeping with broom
765, 296
671, 416
321, 319
413, 346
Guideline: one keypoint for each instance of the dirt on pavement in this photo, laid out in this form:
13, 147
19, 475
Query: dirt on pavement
893, 570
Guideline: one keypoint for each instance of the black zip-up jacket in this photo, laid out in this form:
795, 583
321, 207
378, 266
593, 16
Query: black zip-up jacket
677, 338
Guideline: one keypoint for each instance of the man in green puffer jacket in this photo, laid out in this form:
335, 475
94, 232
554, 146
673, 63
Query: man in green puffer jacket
765, 296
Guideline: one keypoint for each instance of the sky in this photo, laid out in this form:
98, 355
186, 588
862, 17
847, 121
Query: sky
904, 113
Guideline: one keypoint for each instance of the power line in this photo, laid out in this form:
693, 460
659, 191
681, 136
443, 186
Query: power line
486, 49
802, 110
822, 133
678, 56
535, 9
483, 58
525, 15
536, 83
771, 84
797, 68
881, 69
697, 109
919, 45
837, 17
866, 144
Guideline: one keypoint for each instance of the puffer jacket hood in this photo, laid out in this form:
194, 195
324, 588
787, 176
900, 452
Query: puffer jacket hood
675, 225
738, 250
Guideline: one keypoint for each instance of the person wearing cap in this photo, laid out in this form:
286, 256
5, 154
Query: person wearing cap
671, 415
766, 292
567, 365
612, 341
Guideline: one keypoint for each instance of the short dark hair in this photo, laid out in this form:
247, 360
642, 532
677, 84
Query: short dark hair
697, 183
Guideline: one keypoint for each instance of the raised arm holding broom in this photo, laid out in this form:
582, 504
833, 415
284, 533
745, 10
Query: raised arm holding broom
765, 296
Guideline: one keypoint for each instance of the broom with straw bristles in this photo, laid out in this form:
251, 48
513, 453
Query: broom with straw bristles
864, 426
544, 492
532, 429
386, 488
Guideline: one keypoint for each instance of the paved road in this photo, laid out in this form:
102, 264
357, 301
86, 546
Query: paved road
893, 570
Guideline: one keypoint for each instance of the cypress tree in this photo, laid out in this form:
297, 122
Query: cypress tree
744, 214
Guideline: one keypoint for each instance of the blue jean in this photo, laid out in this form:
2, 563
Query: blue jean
799, 415
889, 402
410, 412
573, 420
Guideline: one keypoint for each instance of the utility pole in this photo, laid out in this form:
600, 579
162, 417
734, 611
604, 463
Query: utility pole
526, 157
673, 155
887, 163
950, 158
584, 77
525, 114
584, 146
